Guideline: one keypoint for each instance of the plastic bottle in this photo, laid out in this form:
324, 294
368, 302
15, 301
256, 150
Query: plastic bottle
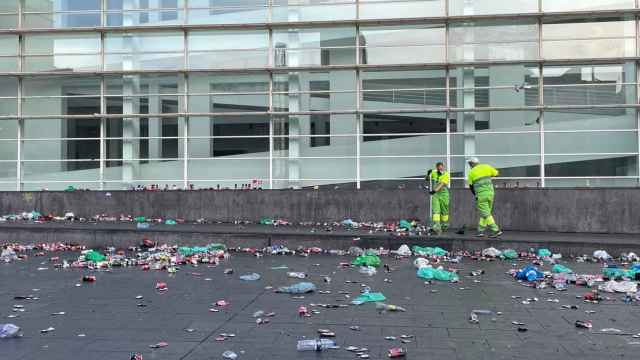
9, 331
230, 355
315, 345
296, 275
389, 307
368, 270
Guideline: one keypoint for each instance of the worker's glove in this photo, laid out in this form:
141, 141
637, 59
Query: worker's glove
432, 192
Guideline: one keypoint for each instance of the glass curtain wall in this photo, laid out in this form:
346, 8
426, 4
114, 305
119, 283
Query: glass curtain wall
111, 94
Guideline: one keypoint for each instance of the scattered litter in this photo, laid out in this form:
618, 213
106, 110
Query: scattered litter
429, 273
369, 297
8, 331
388, 307
601, 255
230, 355
250, 277
159, 345
299, 288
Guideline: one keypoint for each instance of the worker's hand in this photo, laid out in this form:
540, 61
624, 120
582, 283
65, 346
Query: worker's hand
432, 192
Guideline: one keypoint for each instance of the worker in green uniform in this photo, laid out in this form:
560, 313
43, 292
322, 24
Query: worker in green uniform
481, 186
439, 189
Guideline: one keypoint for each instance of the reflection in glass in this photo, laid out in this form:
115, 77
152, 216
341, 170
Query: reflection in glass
493, 40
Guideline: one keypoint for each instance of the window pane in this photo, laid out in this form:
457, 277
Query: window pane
69, 150
8, 102
383, 9
496, 85
228, 49
8, 45
305, 47
9, 6
58, 5
8, 129
579, 38
8, 21
141, 94
402, 44
571, 5
314, 91
314, 10
590, 165
62, 20
590, 119
229, 136
61, 96
142, 18
493, 40
380, 170
230, 173
78, 43
491, 7
403, 89
228, 16
592, 142
144, 51
590, 85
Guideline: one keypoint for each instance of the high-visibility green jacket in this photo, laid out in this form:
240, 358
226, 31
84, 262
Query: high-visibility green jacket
480, 177
437, 178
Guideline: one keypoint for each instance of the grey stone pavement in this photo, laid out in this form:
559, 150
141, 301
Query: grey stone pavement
437, 314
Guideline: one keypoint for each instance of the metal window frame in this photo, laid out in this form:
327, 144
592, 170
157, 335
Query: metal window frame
358, 67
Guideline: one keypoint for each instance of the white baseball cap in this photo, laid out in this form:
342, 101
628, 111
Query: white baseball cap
473, 160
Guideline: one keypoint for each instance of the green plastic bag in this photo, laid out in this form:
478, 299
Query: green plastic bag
139, 219
404, 224
367, 260
428, 273
429, 251
369, 297
170, 222
266, 221
509, 254
617, 273
94, 256
544, 253
216, 246
557, 268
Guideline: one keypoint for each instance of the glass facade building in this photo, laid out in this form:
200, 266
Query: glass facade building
109, 94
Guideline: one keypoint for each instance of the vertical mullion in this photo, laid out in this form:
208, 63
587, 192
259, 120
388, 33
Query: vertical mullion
102, 131
543, 182
19, 110
448, 118
185, 15
358, 118
185, 109
20, 135
20, 11
638, 120
271, 128
103, 13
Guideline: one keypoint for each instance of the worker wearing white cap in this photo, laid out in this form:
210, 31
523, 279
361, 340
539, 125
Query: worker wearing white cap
481, 186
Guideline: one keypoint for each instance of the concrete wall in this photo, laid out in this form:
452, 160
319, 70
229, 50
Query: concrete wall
562, 210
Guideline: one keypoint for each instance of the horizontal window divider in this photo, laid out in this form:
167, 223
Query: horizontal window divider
283, 70
313, 136
225, 180
34, 55
591, 177
228, 93
146, 159
484, 156
74, 12
402, 156
311, 92
363, 22
625, 37
407, 89
155, 52
56, 181
314, 157
317, 179
25, 97
590, 154
214, 51
138, 95
594, 84
97, 160
231, 137
227, 158
589, 130
60, 139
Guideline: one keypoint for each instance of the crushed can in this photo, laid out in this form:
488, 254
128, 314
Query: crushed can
396, 352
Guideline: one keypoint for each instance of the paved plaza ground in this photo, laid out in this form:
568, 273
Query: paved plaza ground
106, 313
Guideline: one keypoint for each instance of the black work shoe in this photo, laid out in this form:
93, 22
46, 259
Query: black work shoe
496, 234
480, 234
